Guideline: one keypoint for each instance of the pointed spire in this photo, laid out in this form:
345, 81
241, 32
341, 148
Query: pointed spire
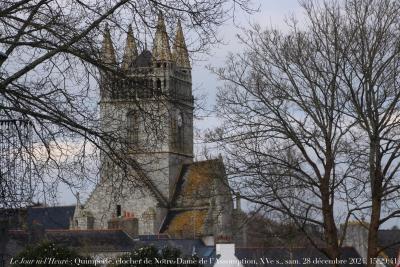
107, 49
130, 52
180, 53
161, 49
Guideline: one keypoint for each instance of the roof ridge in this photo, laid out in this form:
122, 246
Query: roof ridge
46, 207
84, 230
205, 160
280, 247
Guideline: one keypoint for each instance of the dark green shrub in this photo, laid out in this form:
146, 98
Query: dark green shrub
47, 254
150, 256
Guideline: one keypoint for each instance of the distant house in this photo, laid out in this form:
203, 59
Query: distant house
388, 242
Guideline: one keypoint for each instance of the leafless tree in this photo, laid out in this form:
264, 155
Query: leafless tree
49, 75
371, 81
311, 117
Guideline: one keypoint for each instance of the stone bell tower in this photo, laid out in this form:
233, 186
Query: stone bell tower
149, 113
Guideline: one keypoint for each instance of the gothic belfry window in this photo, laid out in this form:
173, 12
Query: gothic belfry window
159, 85
132, 121
180, 130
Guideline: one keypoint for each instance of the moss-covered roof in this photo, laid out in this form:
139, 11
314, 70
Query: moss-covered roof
187, 224
192, 205
196, 182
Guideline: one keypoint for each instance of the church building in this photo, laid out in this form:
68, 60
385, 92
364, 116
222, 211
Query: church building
150, 113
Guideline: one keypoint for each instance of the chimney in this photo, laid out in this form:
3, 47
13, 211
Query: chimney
226, 256
238, 202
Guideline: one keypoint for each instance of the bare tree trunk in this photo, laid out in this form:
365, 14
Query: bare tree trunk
376, 201
329, 95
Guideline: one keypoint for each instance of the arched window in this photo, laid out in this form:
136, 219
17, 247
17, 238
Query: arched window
132, 121
158, 85
180, 123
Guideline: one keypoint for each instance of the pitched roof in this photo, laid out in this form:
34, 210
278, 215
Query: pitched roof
93, 240
191, 208
194, 186
16, 217
144, 60
51, 217
189, 223
186, 246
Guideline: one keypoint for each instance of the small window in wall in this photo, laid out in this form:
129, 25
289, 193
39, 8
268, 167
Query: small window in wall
118, 210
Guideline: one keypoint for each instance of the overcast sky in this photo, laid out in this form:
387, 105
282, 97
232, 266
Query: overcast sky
272, 13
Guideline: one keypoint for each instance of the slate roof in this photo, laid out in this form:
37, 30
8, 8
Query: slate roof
48, 217
144, 60
51, 217
95, 240
92, 240
186, 246
16, 217
389, 241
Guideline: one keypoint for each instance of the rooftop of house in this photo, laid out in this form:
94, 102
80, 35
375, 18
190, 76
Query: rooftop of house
51, 217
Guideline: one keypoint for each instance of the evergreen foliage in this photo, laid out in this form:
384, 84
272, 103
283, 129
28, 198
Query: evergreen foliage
151, 256
48, 254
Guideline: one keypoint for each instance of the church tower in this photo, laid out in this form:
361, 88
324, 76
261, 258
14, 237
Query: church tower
151, 110
149, 113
